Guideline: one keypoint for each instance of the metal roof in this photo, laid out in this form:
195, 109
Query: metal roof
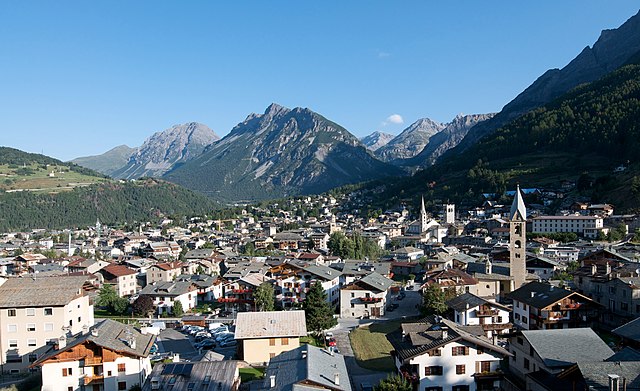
269, 324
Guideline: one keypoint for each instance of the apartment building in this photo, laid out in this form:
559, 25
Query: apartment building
36, 311
366, 297
587, 226
163, 272
122, 278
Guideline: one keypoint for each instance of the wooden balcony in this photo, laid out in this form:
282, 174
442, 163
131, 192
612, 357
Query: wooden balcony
94, 379
486, 312
496, 326
90, 361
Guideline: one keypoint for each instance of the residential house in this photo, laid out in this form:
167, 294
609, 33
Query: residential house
472, 310
365, 297
122, 278
164, 272
541, 306
407, 254
194, 376
238, 294
166, 294
543, 267
553, 351
34, 311
109, 356
306, 368
82, 265
455, 279
264, 335
294, 278
438, 354
162, 250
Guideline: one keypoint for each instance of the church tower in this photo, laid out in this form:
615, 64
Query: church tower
423, 218
518, 239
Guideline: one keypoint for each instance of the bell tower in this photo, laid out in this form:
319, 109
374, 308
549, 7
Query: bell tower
518, 239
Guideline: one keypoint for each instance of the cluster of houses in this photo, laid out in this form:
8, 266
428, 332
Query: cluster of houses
521, 312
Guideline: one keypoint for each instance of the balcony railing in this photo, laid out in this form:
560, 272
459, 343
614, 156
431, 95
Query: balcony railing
496, 326
93, 379
88, 361
487, 312
371, 299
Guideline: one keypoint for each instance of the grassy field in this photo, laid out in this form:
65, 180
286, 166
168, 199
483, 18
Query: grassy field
250, 374
311, 340
371, 347
36, 177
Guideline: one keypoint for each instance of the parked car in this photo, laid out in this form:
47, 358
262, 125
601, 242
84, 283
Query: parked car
224, 336
228, 342
206, 344
154, 349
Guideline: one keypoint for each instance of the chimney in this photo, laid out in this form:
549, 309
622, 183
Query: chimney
62, 342
533, 294
85, 329
614, 382
94, 332
594, 269
445, 332
304, 354
272, 381
336, 379
608, 268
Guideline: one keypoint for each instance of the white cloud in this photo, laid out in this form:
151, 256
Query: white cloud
383, 54
395, 119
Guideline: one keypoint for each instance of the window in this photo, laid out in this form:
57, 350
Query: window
353, 294
109, 373
13, 343
514, 355
272, 342
122, 368
284, 341
435, 352
122, 385
48, 327
31, 312
67, 371
483, 366
353, 305
70, 388
624, 306
12, 328
526, 363
271, 355
524, 319
31, 327
31, 342
14, 358
460, 351
48, 311
11, 312
479, 350
460, 369
433, 371
463, 387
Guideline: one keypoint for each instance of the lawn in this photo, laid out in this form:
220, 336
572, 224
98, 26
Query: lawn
371, 347
311, 340
250, 374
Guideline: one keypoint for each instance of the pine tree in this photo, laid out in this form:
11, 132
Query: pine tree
394, 383
264, 297
318, 312
177, 309
433, 300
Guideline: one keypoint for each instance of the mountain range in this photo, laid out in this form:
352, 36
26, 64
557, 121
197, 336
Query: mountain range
297, 151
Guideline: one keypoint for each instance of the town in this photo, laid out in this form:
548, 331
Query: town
305, 293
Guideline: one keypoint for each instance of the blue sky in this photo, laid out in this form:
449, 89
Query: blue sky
78, 78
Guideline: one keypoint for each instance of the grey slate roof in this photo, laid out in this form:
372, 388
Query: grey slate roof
626, 354
564, 347
194, 376
294, 370
270, 324
167, 288
377, 281
630, 330
596, 374
40, 291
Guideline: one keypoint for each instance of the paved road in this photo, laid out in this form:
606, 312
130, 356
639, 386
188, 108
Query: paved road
407, 307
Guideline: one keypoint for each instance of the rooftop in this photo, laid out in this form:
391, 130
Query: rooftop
270, 324
41, 291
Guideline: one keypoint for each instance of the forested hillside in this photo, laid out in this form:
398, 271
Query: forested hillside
113, 203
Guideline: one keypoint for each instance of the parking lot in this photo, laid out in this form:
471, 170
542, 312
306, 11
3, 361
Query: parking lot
183, 343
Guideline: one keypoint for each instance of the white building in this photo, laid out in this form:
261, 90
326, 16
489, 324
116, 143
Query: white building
587, 226
166, 294
366, 297
34, 312
111, 356
440, 355
472, 310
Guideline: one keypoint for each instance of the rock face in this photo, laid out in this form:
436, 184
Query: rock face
281, 152
447, 138
109, 161
164, 150
376, 140
410, 142
612, 50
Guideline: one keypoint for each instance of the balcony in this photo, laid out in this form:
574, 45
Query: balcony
496, 326
93, 379
370, 299
90, 361
486, 312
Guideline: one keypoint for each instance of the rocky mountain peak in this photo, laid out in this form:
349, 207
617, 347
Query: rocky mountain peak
411, 141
